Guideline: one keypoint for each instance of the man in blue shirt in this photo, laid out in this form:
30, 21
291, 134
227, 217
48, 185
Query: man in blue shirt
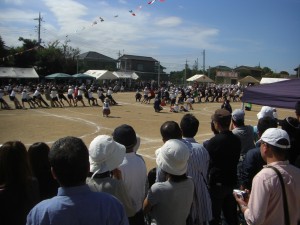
75, 203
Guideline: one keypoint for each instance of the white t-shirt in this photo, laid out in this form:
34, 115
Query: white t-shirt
134, 175
70, 91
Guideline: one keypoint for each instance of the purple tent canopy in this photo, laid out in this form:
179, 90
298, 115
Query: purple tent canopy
282, 94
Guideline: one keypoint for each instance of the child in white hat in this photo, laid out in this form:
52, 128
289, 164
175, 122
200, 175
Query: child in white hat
105, 156
106, 108
162, 203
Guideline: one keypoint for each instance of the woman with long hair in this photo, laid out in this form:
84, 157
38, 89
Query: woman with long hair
19, 190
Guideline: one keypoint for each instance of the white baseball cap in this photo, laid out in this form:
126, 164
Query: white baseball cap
266, 111
273, 136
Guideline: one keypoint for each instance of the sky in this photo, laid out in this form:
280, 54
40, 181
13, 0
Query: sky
232, 33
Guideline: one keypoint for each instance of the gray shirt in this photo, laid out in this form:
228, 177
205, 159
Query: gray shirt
114, 187
246, 135
171, 201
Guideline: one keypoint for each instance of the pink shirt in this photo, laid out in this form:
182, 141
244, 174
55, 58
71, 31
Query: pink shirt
266, 204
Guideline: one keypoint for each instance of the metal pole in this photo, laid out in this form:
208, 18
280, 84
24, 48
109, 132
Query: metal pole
299, 71
184, 81
158, 74
203, 61
77, 63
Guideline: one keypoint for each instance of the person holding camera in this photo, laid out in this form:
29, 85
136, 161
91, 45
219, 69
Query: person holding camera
275, 196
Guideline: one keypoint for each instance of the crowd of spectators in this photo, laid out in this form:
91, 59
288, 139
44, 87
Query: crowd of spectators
107, 181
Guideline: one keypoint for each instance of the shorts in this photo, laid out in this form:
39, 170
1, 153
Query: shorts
24, 100
106, 111
12, 98
55, 99
70, 96
79, 97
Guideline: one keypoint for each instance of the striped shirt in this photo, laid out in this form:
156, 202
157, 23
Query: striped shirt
197, 169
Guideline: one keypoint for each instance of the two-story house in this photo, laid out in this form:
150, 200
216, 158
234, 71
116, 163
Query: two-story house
145, 67
95, 61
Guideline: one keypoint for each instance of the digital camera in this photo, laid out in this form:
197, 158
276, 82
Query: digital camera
241, 194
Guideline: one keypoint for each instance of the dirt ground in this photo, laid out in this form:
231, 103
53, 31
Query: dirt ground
49, 124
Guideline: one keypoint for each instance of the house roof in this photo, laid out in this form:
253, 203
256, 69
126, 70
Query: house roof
136, 57
223, 68
248, 68
95, 56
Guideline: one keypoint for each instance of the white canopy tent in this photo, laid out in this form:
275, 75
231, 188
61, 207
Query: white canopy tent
126, 75
101, 74
13, 72
200, 78
269, 80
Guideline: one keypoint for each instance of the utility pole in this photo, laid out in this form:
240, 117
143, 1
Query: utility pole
40, 19
184, 81
203, 61
158, 74
299, 71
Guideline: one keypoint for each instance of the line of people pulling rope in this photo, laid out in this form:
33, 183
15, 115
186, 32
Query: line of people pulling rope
55, 95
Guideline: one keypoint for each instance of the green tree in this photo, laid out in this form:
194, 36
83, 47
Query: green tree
25, 56
55, 58
266, 71
284, 74
5, 58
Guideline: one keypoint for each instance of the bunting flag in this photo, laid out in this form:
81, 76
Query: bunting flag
20, 53
94, 23
151, 2
132, 13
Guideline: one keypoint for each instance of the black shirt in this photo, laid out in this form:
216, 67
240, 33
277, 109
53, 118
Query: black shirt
224, 150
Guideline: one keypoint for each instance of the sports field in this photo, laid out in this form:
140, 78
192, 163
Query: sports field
50, 124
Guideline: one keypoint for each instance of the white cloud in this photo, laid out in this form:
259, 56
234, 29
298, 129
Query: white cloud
166, 38
169, 22
16, 15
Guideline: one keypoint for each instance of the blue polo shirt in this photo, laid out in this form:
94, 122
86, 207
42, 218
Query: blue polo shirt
76, 206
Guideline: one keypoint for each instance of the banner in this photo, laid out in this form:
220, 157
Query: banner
227, 74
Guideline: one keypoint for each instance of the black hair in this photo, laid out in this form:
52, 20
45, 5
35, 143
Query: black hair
266, 123
238, 123
282, 152
170, 130
189, 125
69, 158
176, 178
224, 122
38, 156
15, 169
